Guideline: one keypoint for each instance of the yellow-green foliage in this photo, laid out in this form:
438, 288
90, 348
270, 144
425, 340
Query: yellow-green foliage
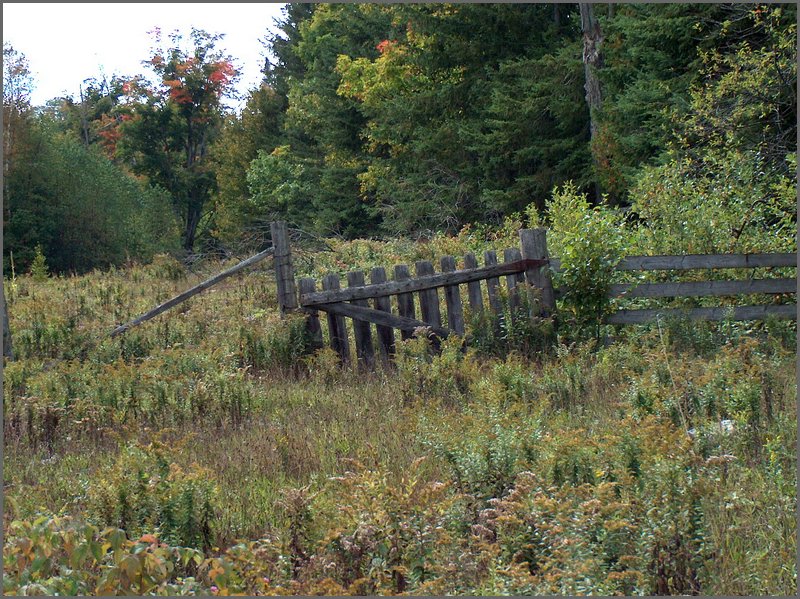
144, 491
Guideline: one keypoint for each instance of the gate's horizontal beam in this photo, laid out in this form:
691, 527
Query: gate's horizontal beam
380, 317
418, 283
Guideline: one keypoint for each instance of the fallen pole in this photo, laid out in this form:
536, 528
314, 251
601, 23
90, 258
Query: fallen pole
191, 292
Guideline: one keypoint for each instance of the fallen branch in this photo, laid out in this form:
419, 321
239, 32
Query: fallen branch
191, 292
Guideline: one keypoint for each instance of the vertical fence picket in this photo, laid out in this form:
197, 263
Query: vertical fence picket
512, 255
452, 296
405, 301
336, 324
428, 298
363, 335
313, 326
385, 334
474, 287
493, 284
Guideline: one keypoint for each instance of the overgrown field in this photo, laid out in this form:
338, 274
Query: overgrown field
206, 452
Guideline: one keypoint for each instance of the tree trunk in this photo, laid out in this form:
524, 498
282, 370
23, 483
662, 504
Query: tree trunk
192, 220
592, 62
84, 121
7, 349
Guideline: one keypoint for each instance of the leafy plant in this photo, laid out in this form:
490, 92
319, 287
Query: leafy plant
142, 492
589, 241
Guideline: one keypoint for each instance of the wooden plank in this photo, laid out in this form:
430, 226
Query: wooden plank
698, 261
493, 284
704, 288
336, 324
452, 296
385, 334
534, 247
405, 301
182, 297
693, 261
428, 298
380, 317
284, 272
784, 311
419, 283
313, 327
512, 255
473, 287
364, 351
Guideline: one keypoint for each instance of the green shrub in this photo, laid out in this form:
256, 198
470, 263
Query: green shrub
61, 556
513, 330
589, 241
143, 492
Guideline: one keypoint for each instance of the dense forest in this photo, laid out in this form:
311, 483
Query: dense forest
378, 120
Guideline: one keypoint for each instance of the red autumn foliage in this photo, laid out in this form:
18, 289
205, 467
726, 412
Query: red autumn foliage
384, 46
180, 95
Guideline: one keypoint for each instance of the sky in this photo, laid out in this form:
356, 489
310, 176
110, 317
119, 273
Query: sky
66, 43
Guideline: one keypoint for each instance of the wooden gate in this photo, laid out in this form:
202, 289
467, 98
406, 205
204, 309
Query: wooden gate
417, 303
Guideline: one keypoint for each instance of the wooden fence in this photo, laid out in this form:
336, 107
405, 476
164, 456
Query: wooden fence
368, 304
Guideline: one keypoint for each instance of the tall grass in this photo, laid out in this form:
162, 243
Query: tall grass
526, 465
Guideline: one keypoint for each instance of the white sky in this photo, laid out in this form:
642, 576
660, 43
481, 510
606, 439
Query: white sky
67, 43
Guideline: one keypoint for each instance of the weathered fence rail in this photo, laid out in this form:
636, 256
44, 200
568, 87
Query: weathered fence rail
719, 288
418, 304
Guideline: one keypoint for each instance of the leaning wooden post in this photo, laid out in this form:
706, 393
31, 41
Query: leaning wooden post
534, 247
284, 273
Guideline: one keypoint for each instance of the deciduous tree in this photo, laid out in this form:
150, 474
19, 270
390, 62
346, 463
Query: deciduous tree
173, 123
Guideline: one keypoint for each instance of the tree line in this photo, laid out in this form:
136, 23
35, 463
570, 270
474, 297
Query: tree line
379, 120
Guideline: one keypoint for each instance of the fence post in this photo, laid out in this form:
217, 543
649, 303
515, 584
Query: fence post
284, 273
533, 243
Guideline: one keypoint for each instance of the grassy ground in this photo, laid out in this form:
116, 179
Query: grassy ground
235, 462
